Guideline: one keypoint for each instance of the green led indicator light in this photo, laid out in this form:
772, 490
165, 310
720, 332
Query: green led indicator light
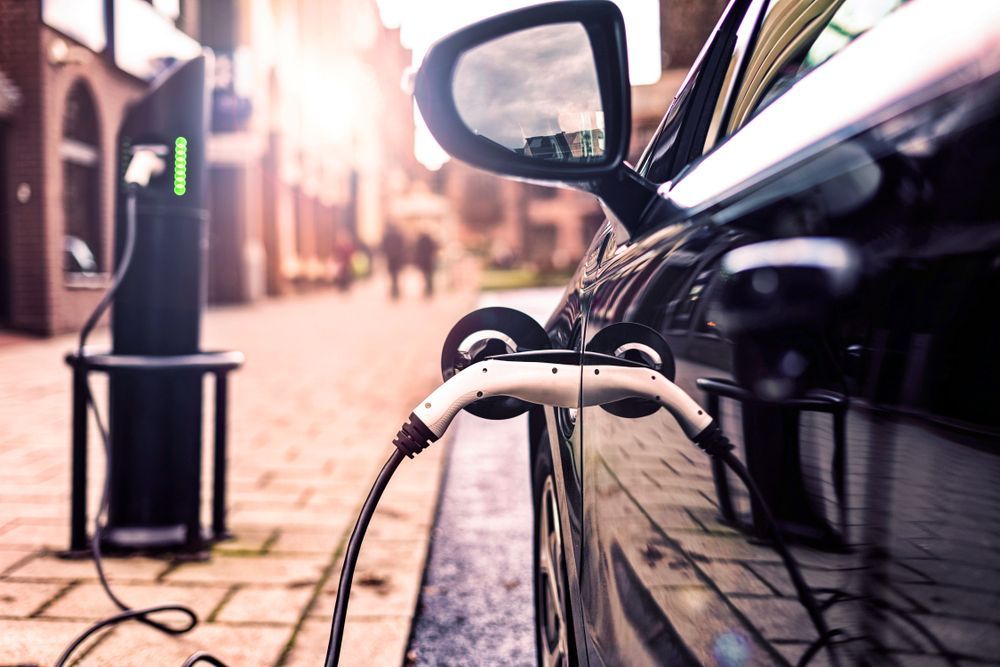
180, 166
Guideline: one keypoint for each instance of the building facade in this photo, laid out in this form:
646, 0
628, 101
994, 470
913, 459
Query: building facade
58, 147
311, 139
311, 136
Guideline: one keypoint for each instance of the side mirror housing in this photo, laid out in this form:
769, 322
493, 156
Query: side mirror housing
539, 94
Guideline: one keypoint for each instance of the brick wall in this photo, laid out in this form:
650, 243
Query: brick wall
20, 58
112, 90
684, 27
40, 300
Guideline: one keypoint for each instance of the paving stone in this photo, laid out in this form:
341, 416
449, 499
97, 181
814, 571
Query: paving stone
136, 645
945, 599
672, 518
301, 571
735, 579
917, 660
368, 642
34, 535
245, 540
295, 518
27, 511
265, 605
777, 577
709, 518
793, 653
9, 557
398, 523
965, 637
777, 618
22, 599
728, 547
36, 641
708, 625
381, 587
293, 540
89, 601
655, 561
48, 568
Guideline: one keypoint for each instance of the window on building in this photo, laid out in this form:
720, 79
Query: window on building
80, 154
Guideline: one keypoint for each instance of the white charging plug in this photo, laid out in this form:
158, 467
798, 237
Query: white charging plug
147, 162
546, 383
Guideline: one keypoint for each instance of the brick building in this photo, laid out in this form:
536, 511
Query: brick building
58, 146
311, 134
311, 137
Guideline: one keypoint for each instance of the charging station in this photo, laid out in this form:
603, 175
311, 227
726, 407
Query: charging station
156, 367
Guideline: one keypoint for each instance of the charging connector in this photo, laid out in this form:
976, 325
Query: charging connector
549, 378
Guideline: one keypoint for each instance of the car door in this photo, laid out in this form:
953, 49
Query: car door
681, 134
674, 567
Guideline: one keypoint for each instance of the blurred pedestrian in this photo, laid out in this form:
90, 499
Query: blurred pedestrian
425, 256
343, 251
394, 249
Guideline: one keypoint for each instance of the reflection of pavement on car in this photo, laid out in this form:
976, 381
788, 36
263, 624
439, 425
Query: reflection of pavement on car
911, 587
476, 606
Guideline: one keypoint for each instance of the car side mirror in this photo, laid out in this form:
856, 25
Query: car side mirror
539, 94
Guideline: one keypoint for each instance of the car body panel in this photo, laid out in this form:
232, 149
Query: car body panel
906, 547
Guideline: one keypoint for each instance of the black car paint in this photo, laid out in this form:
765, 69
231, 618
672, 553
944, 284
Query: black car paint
660, 579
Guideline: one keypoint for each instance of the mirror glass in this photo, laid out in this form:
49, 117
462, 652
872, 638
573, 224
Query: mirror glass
535, 93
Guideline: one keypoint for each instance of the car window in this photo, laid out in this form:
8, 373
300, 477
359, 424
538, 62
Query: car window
744, 41
797, 36
682, 131
657, 162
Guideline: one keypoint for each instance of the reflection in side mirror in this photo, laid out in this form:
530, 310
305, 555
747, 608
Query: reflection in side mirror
539, 93
534, 92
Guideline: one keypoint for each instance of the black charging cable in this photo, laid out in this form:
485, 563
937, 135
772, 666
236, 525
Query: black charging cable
351, 558
126, 613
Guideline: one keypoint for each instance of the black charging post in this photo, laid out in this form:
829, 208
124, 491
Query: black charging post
156, 367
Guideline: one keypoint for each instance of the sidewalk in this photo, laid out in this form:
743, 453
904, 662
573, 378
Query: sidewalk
328, 380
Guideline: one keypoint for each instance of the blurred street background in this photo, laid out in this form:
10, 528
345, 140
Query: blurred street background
314, 150
341, 247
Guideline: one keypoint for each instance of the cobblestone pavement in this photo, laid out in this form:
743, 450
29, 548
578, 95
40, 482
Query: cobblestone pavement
328, 380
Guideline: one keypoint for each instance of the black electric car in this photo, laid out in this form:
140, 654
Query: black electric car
814, 230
